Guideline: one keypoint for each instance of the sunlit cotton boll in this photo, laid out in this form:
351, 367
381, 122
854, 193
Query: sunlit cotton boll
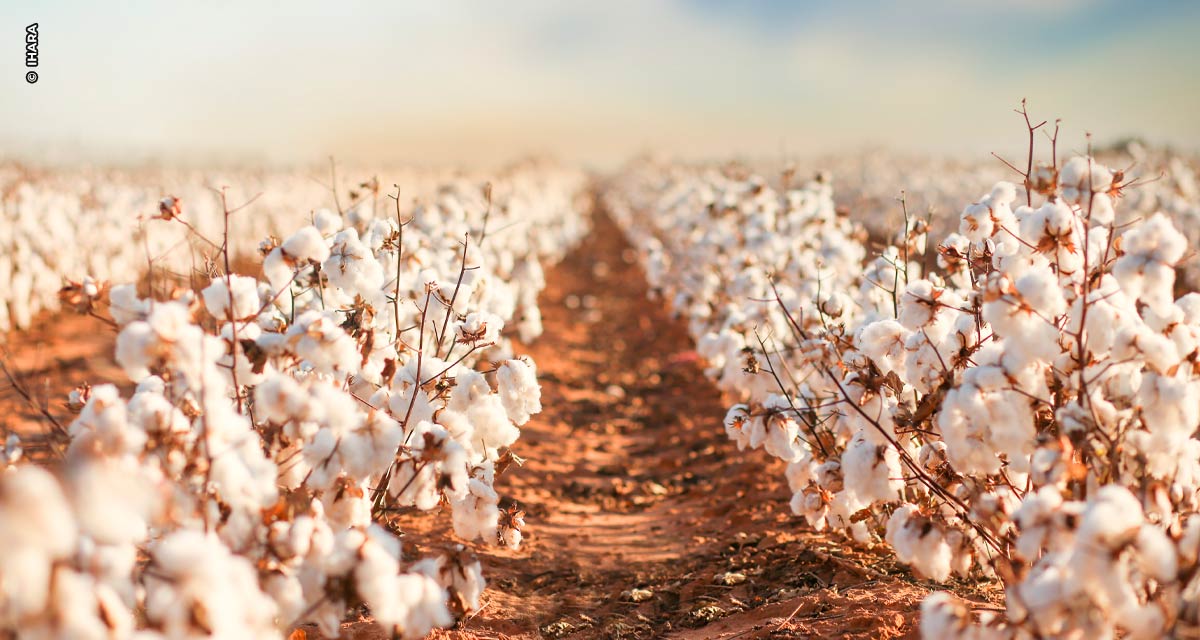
246, 302
517, 385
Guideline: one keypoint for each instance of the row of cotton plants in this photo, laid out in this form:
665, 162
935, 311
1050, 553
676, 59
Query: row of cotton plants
282, 427
935, 187
1018, 401
56, 224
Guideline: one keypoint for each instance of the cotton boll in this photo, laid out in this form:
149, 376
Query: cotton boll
1102, 210
737, 420
351, 266
318, 338
280, 398
112, 504
1143, 622
1155, 349
415, 485
1040, 597
1146, 270
287, 593
200, 588
918, 304
883, 342
1111, 519
1156, 553
477, 516
1189, 543
103, 426
1040, 521
306, 244
919, 544
1041, 291
872, 471
125, 306
492, 427
37, 528
82, 608
460, 574
783, 439
1189, 303
976, 222
943, 616
277, 270
421, 606
516, 383
246, 302
1170, 420
1082, 176
135, 350
327, 222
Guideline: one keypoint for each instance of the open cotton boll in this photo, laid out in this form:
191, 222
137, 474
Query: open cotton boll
943, 616
36, 526
1146, 270
103, 426
976, 222
114, 503
306, 244
782, 439
87, 608
1112, 518
918, 543
319, 339
410, 604
1156, 553
352, 267
1081, 176
327, 222
200, 588
281, 398
278, 271
125, 306
918, 304
246, 302
517, 385
1040, 290
738, 425
1170, 418
477, 515
872, 471
493, 429
460, 573
1042, 519
883, 342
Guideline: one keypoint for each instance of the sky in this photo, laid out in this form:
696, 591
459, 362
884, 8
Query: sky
478, 83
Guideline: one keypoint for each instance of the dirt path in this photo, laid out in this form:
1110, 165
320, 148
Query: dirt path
630, 484
643, 519
58, 353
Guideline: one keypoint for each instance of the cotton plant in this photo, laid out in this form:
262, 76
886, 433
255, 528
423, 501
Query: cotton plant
1016, 401
281, 427
108, 217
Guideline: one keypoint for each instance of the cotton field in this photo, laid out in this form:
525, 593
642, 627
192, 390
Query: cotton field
664, 319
